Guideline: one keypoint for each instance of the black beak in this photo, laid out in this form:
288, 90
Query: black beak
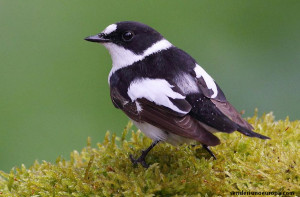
101, 38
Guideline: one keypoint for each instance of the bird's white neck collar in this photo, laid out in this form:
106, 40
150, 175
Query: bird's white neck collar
122, 57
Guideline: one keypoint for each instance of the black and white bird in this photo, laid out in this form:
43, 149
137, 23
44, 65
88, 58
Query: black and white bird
163, 90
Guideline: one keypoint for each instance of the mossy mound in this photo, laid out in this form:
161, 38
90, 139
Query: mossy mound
243, 164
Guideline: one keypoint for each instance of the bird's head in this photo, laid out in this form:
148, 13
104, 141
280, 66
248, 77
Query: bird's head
133, 36
128, 41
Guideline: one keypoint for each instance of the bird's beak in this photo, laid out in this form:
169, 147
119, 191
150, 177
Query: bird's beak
101, 38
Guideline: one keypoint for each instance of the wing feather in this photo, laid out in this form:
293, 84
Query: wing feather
227, 109
186, 126
210, 89
164, 118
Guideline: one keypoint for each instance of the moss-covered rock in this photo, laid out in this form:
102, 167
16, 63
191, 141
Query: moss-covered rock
243, 164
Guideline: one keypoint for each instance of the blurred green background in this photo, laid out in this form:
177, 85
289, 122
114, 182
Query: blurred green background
53, 84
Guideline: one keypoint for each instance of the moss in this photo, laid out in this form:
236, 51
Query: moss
243, 164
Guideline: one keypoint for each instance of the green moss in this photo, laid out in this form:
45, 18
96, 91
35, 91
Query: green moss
243, 164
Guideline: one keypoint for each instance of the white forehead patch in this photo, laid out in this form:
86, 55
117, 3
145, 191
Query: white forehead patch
158, 91
200, 72
110, 28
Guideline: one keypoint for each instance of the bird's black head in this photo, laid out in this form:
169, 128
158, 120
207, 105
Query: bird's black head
133, 36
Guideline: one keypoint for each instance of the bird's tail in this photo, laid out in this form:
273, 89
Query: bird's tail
250, 133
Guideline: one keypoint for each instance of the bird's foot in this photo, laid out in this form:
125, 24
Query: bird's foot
140, 160
209, 151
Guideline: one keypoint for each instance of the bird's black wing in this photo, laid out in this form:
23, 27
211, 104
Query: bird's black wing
215, 99
208, 113
211, 107
209, 104
164, 118
202, 86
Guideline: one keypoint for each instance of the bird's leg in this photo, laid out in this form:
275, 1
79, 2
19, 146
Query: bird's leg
141, 159
209, 151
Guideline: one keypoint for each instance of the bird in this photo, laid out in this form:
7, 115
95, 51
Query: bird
164, 91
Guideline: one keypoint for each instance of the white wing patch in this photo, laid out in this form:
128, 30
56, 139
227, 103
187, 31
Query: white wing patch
210, 83
186, 83
122, 57
110, 28
156, 90
138, 106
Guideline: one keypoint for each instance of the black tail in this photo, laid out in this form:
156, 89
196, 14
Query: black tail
250, 133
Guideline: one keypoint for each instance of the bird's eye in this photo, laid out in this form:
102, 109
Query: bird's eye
127, 36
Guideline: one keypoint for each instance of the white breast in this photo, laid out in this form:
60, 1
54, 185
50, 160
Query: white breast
157, 134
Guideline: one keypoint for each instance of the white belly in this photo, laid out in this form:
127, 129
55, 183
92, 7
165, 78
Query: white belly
157, 134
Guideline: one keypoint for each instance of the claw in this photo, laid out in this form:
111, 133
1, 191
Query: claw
133, 161
140, 160
209, 151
